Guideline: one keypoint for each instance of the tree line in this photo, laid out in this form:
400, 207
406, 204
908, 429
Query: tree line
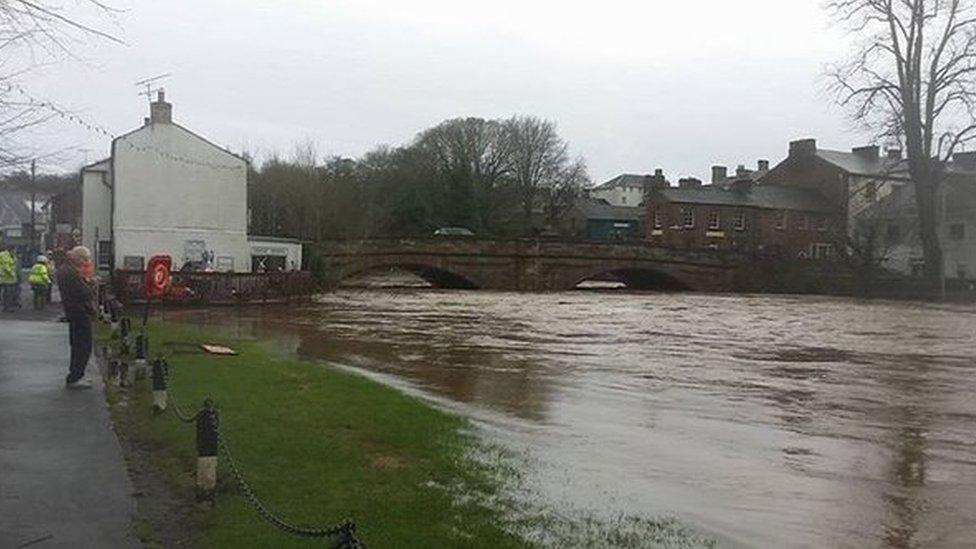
501, 178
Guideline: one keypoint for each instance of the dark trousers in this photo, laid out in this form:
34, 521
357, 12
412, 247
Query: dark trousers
80, 339
11, 296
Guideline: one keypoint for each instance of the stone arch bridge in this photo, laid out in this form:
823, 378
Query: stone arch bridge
527, 265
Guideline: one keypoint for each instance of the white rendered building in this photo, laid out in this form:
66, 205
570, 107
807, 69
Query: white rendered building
165, 189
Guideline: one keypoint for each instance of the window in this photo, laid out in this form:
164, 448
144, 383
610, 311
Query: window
821, 223
623, 199
104, 255
780, 220
714, 221
134, 263
957, 231
688, 218
821, 251
739, 221
657, 219
961, 271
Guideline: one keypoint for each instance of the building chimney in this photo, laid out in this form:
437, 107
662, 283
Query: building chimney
654, 182
803, 147
870, 152
689, 183
719, 174
966, 160
161, 112
741, 172
658, 172
763, 165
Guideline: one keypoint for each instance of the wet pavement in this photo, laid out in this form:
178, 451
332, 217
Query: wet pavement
63, 482
763, 421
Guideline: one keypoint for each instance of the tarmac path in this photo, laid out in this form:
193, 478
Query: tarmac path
63, 481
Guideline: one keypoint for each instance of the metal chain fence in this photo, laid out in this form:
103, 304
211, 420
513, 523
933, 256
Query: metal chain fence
343, 533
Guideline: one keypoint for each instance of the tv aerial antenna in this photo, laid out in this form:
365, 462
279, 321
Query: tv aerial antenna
150, 85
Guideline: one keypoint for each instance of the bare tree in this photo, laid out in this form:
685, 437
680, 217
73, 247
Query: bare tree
538, 161
913, 80
33, 33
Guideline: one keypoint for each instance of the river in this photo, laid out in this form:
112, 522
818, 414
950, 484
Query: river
762, 421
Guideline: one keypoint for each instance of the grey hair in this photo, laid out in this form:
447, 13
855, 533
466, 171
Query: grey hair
79, 252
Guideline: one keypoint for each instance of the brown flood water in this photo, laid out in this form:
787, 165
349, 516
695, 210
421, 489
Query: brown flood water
763, 421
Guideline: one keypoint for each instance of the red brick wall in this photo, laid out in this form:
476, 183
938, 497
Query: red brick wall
760, 234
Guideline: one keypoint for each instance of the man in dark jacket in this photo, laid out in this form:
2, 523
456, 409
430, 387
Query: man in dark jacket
79, 308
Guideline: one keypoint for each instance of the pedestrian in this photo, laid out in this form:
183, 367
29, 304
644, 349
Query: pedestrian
77, 299
49, 257
40, 281
8, 277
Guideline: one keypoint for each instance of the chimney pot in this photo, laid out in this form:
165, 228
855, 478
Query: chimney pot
870, 152
803, 147
161, 112
719, 174
658, 172
763, 165
689, 183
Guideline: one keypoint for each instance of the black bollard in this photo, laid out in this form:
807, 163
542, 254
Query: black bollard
159, 385
207, 446
142, 352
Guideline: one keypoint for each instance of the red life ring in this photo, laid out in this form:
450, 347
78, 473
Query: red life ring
158, 276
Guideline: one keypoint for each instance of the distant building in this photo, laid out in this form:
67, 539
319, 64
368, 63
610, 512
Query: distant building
853, 181
166, 189
896, 219
876, 189
770, 220
15, 221
597, 219
628, 189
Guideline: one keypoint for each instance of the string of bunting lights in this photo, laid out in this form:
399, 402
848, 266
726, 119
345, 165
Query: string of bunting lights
94, 128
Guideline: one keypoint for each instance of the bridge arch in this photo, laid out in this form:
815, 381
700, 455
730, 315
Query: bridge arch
638, 278
438, 277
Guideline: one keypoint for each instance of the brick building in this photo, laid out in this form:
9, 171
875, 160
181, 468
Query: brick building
770, 220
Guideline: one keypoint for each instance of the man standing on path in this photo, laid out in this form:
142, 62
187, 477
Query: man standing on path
79, 308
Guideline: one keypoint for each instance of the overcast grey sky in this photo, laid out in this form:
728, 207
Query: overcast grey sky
632, 85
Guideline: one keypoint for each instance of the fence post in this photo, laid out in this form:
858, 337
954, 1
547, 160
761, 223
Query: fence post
207, 446
159, 385
142, 351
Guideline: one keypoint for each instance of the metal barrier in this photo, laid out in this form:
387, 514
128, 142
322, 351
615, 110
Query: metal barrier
213, 288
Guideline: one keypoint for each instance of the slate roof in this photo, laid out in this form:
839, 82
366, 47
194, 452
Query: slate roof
770, 197
863, 165
626, 180
596, 208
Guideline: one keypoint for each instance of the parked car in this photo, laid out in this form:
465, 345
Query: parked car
453, 231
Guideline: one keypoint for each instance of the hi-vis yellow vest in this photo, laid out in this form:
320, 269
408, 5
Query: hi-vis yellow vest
39, 275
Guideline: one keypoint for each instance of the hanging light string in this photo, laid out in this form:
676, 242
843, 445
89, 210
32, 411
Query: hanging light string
95, 128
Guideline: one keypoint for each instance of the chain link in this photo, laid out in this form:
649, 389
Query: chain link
171, 396
345, 530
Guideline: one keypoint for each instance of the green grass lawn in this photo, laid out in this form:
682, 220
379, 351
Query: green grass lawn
318, 445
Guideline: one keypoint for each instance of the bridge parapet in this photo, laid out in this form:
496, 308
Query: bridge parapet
528, 265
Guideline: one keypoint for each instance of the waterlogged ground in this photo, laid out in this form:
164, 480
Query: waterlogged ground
756, 421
